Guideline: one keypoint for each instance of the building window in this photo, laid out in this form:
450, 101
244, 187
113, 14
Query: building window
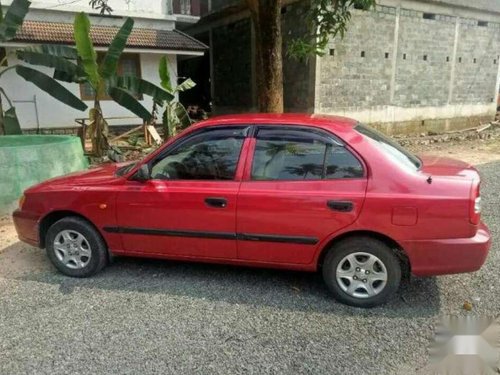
129, 64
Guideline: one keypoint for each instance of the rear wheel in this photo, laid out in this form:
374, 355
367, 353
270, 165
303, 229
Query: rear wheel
75, 247
362, 272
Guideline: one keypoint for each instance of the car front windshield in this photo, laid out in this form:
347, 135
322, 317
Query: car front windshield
390, 147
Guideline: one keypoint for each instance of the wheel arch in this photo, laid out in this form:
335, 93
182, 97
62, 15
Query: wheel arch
48, 220
391, 243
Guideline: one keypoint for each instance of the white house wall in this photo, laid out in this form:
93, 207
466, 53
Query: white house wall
53, 114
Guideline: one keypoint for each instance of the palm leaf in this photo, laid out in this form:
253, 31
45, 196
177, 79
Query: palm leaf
165, 74
86, 49
58, 63
11, 122
188, 84
51, 87
139, 86
13, 19
127, 100
110, 63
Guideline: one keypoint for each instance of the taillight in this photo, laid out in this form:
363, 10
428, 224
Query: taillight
475, 203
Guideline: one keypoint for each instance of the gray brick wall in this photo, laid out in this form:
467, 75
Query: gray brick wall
424, 62
232, 73
477, 62
358, 74
423, 77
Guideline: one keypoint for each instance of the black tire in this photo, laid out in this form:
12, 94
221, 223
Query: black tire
337, 253
98, 249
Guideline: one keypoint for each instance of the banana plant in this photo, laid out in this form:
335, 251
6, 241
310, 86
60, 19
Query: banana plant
102, 77
175, 115
9, 24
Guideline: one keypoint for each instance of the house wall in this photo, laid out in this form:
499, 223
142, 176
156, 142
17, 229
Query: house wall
53, 114
417, 74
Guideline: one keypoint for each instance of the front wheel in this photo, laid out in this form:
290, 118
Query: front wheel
362, 272
75, 247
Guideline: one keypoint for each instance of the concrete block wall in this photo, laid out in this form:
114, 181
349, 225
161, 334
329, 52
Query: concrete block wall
399, 65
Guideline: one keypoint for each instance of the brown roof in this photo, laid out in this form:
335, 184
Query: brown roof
62, 33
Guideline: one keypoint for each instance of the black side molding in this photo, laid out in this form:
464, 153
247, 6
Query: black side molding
301, 240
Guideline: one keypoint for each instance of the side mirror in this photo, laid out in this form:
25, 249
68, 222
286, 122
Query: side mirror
143, 174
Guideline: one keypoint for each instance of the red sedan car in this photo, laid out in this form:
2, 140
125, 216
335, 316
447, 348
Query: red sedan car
298, 192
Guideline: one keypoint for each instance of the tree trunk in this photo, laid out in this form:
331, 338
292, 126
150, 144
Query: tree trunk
2, 123
266, 18
99, 133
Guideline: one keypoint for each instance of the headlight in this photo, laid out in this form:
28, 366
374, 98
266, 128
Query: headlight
21, 201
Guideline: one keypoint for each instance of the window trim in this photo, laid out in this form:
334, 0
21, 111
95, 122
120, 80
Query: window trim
178, 143
127, 55
308, 129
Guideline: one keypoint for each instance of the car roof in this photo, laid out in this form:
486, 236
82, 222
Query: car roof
334, 122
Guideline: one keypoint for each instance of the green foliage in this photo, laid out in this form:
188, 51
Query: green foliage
110, 63
13, 19
175, 116
50, 86
86, 51
57, 57
326, 19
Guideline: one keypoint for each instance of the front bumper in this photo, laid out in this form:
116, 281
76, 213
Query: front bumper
26, 224
449, 256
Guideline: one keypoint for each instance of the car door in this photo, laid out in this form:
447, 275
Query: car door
188, 207
300, 186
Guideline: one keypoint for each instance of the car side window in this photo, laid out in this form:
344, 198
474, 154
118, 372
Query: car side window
301, 155
209, 155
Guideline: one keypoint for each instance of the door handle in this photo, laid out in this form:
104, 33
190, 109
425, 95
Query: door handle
340, 206
216, 202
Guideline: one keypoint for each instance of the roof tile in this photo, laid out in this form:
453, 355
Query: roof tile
62, 33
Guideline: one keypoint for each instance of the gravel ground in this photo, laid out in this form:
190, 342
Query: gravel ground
144, 317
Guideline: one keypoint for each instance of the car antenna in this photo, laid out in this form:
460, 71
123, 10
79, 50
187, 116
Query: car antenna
429, 180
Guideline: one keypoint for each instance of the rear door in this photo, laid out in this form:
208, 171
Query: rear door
300, 185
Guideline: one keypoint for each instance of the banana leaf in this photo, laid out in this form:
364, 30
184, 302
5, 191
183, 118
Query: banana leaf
67, 77
86, 49
139, 86
184, 121
59, 63
11, 122
13, 19
127, 101
188, 84
51, 87
110, 63
165, 74
54, 49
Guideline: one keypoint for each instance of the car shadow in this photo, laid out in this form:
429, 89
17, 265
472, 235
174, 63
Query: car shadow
286, 290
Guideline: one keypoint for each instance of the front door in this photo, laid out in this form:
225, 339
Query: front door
188, 208
299, 187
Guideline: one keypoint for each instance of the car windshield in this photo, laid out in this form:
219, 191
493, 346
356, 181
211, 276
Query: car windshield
125, 169
390, 147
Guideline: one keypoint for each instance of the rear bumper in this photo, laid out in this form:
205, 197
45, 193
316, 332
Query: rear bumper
448, 256
26, 225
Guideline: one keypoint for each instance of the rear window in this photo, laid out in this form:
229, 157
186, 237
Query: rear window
390, 147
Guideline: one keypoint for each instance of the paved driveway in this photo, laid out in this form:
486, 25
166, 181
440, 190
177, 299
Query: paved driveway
143, 317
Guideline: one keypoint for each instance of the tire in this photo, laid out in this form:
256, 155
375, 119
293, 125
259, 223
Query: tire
76, 248
364, 262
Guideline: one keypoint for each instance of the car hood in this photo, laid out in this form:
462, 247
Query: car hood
104, 174
444, 166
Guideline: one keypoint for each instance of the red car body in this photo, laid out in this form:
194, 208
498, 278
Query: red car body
428, 214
